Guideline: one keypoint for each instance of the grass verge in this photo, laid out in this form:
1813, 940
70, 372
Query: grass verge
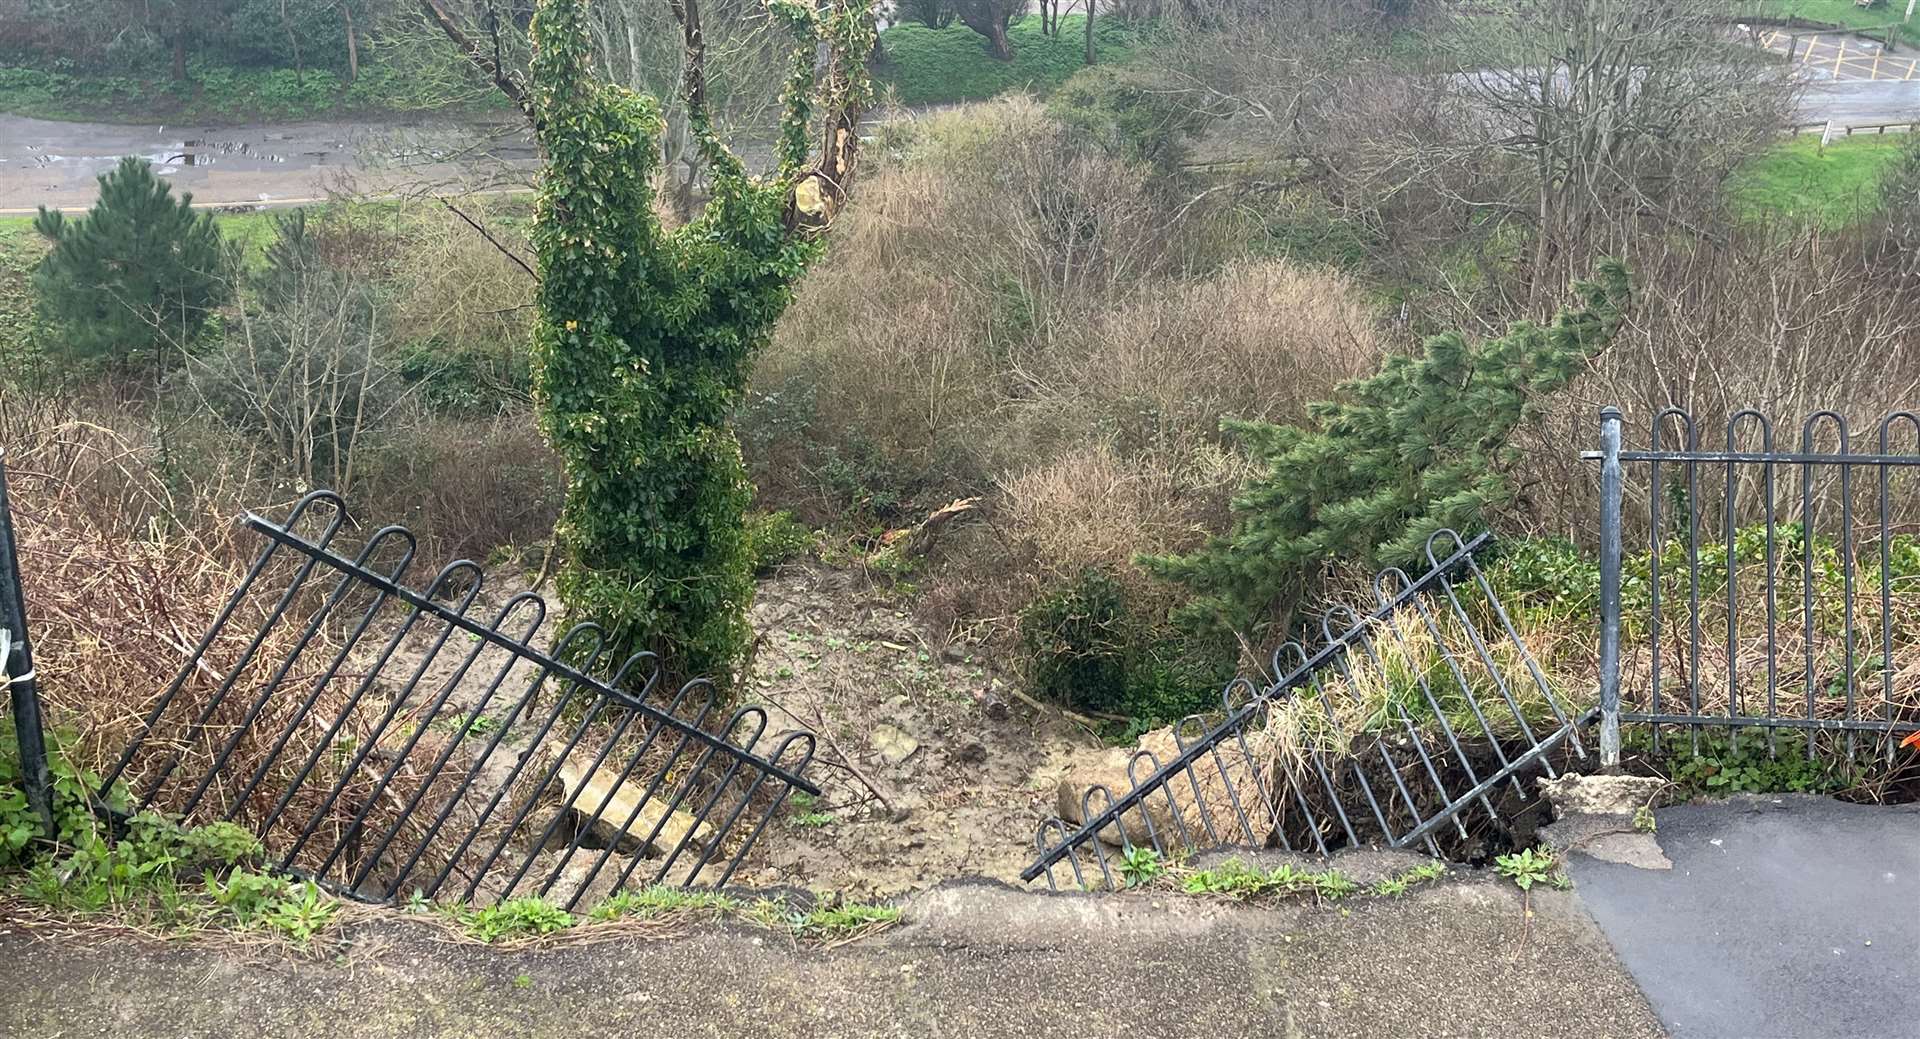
1801, 182
940, 66
1844, 13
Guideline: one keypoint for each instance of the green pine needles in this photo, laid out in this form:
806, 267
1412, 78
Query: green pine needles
141, 271
646, 334
1411, 450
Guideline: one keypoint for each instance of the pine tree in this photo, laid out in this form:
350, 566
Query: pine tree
138, 272
1411, 450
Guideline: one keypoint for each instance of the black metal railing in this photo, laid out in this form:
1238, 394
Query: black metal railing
16, 670
386, 741
1773, 586
1401, 723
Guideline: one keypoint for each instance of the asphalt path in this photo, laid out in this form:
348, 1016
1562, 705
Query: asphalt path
1788, 917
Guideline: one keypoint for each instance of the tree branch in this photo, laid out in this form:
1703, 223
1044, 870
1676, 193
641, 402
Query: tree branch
693, 89
495, 242
490, 66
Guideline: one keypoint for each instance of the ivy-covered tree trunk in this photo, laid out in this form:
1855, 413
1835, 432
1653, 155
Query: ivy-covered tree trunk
645, 336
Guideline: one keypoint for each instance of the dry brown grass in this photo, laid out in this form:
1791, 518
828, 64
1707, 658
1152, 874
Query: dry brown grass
123, 575
1258, 340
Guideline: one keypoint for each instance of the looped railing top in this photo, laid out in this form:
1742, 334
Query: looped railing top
1215, 773
394, 736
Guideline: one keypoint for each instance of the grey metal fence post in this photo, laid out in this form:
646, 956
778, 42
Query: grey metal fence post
1610, 492
34, 774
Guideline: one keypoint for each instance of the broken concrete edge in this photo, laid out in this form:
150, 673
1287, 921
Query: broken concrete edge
944, 902
1606, 817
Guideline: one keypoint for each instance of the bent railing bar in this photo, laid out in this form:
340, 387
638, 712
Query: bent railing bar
494, 740
354, 699
273, 531
272, 685
372, 739
157, 782
1465, 690
773, 806
213, 631
466, 724
546, 780
1365, 641
599, 810
320, 683
400, 758
1537, 752
1187, 756
596, 638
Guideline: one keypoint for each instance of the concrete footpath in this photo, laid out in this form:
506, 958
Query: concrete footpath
1788, 916
973, 960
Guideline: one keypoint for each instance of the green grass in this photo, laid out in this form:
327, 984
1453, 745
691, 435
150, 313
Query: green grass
937, 66
1801, 182
219, 92
1833, 12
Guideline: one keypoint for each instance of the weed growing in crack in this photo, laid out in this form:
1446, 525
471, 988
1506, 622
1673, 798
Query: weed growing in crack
1400, 883
515, 918
1141, 866
659, 900
1236, 879
1532, 866
843, 922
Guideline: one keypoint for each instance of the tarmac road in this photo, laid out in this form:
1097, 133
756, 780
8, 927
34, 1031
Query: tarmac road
1784, 917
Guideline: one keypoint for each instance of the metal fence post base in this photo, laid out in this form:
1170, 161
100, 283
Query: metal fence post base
17, 655
1610, 493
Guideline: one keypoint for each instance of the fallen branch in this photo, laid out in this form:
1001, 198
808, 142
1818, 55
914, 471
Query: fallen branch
491, 240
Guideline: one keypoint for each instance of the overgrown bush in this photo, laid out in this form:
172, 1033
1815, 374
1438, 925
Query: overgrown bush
1088, 649
1130, 112
1417, 448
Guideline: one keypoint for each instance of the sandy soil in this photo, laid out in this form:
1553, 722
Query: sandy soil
963, 789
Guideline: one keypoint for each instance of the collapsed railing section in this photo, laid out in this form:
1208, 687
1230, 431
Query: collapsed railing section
392, 742
1760, 585
1413, 718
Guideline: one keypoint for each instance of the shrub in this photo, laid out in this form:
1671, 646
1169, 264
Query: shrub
1417, 448
139, 274
1076, 641
1088, 648
1128, 112
463, 379
306, 369
775, 538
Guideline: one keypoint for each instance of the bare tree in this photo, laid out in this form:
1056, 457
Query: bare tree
307, 368
1621, 111
640, 44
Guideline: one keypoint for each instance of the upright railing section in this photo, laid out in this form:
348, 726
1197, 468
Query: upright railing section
16, 668
1767, 585
388, 741
1399, 723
